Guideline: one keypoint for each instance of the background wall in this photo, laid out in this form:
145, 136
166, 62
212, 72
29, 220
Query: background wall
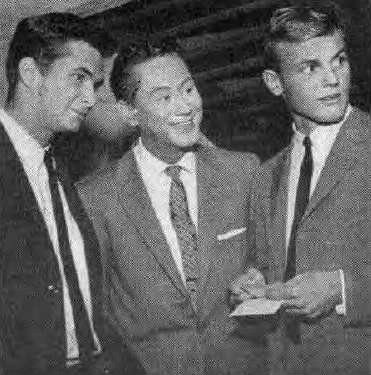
223, 44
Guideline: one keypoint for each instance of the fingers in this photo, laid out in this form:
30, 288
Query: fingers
251, 278
255, 291
280, 291
295, 306
235, 287
254, 276
236, 299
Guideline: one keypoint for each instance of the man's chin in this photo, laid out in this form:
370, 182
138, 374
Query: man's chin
73, 126
189, 143
330, 120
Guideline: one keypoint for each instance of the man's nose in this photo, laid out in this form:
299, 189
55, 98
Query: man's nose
89, 95
330, 76
184, 105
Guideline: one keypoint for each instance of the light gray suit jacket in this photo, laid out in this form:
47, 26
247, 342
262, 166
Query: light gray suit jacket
148, 302
334, 233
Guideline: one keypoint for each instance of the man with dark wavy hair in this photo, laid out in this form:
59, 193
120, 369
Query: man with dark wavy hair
51, 317
312, 201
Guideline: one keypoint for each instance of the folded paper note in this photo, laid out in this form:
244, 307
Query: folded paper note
258, 306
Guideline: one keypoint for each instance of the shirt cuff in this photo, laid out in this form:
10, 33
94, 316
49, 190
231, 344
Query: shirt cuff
341, 308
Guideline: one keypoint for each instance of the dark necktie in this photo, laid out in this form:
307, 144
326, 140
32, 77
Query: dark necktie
184, 228
82, 327
302, 199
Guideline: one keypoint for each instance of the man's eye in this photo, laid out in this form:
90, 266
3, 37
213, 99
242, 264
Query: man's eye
79, 77
309, 68
164, 98
189, 89
341, 60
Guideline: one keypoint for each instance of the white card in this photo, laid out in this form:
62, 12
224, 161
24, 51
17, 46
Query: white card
257, 306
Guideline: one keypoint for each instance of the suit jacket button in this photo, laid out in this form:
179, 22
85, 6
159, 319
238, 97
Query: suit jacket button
53, 288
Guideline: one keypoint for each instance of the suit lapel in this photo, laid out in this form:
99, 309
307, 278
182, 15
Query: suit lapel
19, 206
278, 208
208, 198
136, 202
342, 158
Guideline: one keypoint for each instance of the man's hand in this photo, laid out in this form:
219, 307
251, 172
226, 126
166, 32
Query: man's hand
310, 294
239, 288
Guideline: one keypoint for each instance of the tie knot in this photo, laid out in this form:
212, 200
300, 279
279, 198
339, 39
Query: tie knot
173, 171
48, 158
306, 142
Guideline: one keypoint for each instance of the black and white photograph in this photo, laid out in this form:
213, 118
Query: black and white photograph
185, 187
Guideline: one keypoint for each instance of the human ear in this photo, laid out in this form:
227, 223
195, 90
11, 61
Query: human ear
273, 82
29, 74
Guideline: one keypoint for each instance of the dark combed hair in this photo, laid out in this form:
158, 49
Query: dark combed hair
139, 50
44, 38
303, 21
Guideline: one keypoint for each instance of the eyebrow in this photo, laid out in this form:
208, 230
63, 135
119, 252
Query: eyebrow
308, 61
186, 80
98, 84
84, 70
342, 50
157, 89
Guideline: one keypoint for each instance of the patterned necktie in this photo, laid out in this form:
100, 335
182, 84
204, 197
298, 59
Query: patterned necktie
82, 326
184, 228
301, 203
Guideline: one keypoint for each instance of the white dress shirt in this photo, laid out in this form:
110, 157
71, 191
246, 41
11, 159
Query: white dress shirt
157, 183
31, 155
322, 139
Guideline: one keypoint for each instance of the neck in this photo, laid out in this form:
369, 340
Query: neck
168, 153
304, 125
26, 116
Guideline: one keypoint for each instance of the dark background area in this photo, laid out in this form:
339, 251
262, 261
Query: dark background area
222, 40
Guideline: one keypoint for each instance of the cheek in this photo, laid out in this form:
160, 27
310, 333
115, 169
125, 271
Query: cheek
298, 92
346, 77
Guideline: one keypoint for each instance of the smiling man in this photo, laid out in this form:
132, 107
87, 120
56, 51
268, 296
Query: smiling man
51, 320
311, 203
171, 220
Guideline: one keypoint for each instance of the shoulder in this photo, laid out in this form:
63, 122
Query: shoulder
361, 116
271, 171
102, 182
232, 170
231, 160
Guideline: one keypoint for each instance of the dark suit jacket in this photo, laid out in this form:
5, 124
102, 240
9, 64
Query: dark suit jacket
334, 233
32, 328
148, 302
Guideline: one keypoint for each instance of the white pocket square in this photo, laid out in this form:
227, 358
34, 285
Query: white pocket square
231, 233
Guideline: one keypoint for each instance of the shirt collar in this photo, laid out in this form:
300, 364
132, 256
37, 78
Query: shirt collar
28, 149
157, 166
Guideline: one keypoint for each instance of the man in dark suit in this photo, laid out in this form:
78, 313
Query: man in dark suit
51, 319
312, 202
171, 220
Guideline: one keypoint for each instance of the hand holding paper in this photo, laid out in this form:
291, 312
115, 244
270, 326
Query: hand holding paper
258, 306
310, 294
239, 288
